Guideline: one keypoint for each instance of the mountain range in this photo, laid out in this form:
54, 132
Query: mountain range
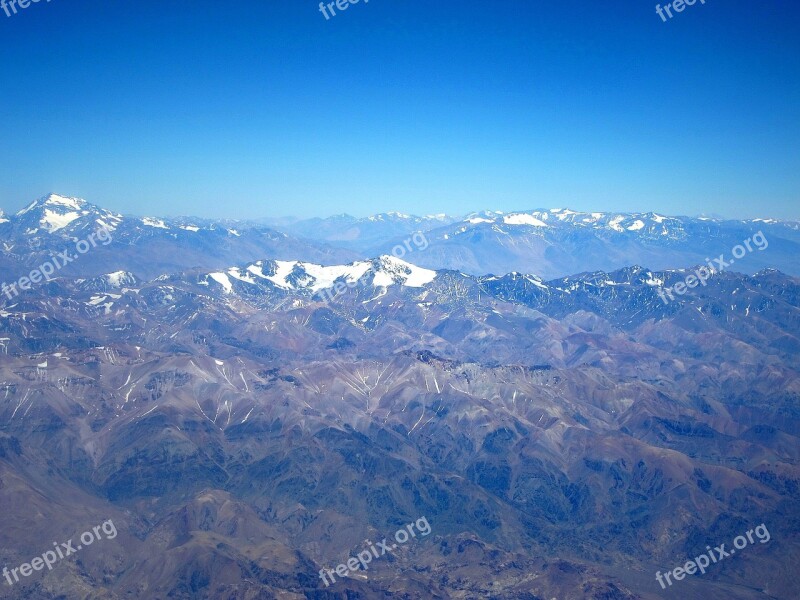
548, 243
557, 242
251, 406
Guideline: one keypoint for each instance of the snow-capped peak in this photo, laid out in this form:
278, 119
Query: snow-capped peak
391, 270
385, 271
523, 219
55, 200
390, 216
70, 203
120, 279
156, 223
54, 212
639, 224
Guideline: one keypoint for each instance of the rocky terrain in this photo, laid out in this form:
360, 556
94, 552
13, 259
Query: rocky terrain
245, 427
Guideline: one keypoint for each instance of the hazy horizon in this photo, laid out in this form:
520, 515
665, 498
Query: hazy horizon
431, 213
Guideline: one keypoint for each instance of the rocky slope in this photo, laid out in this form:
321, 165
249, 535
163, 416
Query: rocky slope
564, 439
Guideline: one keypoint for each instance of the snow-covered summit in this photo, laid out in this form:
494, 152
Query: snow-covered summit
54, 213
384, 271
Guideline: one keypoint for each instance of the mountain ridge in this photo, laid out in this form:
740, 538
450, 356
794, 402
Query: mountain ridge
550, 243
564, 438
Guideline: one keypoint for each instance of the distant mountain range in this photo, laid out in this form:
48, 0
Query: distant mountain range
360, 234
147, 246
547, 243
558, 242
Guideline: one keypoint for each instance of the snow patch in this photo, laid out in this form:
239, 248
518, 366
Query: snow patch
222, 279
637, 225
393, 269
241, 276
615, 223
118, 278
157, 223
523, 219
73, 203
326, 277
53, 221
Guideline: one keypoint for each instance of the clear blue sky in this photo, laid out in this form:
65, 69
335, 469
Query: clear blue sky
263, 108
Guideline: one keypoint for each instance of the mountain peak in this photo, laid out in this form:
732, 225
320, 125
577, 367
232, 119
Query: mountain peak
54, 212
391, 269
53, 201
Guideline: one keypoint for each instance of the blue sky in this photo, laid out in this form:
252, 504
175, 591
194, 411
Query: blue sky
263, 108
